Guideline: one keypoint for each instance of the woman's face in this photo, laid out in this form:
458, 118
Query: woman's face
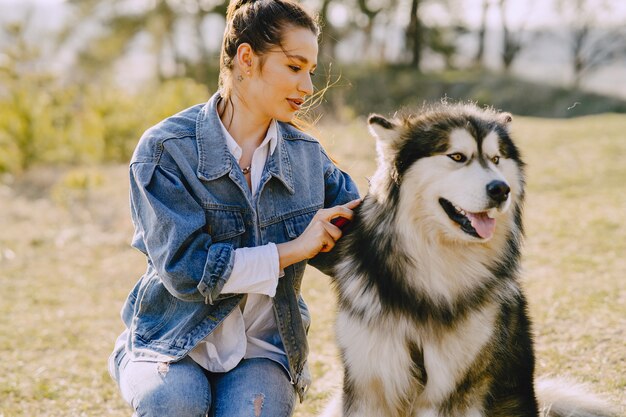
278, 88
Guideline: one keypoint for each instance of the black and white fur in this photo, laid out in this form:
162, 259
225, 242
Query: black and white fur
432, 321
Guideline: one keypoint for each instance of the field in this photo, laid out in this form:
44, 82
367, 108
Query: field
66, 267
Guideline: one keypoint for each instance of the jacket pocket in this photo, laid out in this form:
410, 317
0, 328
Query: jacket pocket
225, 224
295, 224
294, 227
155, 307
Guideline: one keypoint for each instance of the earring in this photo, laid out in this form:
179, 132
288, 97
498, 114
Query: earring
240, 78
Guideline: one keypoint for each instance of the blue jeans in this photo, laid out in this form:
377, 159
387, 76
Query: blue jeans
256, 387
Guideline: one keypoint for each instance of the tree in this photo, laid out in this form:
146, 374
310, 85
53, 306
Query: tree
512, 42
161, 22
482, 31
434, 27
592, 44
330, 34
415, 34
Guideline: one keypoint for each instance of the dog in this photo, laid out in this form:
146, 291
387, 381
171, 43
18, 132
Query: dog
432, 321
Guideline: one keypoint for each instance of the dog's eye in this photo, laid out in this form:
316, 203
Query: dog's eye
457, 157
495, 160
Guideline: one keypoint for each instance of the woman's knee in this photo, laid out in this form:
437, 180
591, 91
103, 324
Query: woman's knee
256, 387
163, 390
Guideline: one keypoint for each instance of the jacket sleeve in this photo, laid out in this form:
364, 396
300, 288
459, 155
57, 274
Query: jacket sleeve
339, 189
170, 228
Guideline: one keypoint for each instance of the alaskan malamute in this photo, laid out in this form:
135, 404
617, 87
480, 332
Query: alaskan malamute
432, 321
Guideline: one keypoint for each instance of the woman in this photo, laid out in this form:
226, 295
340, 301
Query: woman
230, 201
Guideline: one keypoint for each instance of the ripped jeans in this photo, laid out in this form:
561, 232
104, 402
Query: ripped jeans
256, 387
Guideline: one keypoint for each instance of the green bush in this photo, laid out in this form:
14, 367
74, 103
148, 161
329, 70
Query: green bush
48, 123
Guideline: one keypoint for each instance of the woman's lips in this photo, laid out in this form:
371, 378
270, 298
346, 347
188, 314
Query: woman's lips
295, 103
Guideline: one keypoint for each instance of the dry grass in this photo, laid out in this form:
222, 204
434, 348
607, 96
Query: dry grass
66, 267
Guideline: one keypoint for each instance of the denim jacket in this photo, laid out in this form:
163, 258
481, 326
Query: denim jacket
191, 207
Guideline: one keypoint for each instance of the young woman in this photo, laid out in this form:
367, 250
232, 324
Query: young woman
230, 201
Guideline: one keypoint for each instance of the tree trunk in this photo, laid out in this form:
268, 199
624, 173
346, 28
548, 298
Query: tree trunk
329, 39
579, 63
414, 35
478, 58
511, 45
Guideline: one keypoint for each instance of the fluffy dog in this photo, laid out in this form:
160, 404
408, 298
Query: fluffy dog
432, 321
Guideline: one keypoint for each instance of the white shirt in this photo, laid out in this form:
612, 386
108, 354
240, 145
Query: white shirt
252, 332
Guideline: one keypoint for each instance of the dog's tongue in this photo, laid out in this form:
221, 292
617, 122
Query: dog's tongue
484, 225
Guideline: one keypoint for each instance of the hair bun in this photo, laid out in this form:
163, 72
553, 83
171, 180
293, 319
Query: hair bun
235, 5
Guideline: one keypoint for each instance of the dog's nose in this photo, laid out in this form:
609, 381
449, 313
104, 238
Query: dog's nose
498, 191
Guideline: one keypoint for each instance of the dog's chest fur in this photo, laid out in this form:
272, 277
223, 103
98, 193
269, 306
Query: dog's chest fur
409, 366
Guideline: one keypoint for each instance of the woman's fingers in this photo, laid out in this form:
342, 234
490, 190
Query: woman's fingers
328, 236
327, 244
319, 236
353, 204
344, 210
333, 231
321, 233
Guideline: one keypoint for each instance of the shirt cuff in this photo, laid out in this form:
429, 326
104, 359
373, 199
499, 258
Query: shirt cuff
256, 270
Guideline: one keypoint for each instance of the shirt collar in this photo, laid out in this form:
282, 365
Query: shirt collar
271, 138
215, 158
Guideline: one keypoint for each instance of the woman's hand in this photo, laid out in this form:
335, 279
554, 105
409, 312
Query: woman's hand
319, 236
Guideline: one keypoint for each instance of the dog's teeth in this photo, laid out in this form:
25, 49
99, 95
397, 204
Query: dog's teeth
492, 213
459, 210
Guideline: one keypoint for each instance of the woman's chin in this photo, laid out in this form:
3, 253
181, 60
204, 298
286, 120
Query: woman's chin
285, 117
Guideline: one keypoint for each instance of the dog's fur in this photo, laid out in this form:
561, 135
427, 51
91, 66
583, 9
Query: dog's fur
432, 321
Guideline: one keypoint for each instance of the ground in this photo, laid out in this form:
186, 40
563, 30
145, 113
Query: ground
66, 267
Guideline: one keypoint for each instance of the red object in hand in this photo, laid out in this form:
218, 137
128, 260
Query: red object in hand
340, 222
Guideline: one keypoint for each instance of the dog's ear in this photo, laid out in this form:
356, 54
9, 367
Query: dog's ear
382, 128
505, 118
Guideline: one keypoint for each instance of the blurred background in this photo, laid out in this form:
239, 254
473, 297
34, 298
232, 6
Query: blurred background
80, 79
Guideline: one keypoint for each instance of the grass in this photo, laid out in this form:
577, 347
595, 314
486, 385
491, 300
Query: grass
66, 267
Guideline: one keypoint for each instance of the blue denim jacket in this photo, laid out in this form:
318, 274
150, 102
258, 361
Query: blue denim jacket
191, 207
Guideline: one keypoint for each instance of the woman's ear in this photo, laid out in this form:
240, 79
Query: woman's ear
245, 58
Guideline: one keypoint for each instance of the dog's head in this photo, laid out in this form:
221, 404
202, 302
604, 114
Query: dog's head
454, 170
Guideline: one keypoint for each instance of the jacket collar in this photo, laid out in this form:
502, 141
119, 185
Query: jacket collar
214, 158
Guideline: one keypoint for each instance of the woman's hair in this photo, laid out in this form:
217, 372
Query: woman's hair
261, 24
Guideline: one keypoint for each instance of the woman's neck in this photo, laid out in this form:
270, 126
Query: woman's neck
246, 126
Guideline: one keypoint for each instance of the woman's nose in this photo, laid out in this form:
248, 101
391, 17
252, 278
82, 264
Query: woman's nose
306, 84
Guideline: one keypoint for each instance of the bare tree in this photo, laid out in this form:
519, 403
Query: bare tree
482, 31
159, 20
415, 34
332, 34
592, 44
368, 18
371, 14
437, 37
329, 37
512, 40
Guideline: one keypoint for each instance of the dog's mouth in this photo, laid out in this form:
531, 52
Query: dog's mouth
478, 225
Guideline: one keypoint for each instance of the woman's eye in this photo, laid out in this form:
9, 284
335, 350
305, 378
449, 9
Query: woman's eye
457, 157
495, 160
312, 74
294, 68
